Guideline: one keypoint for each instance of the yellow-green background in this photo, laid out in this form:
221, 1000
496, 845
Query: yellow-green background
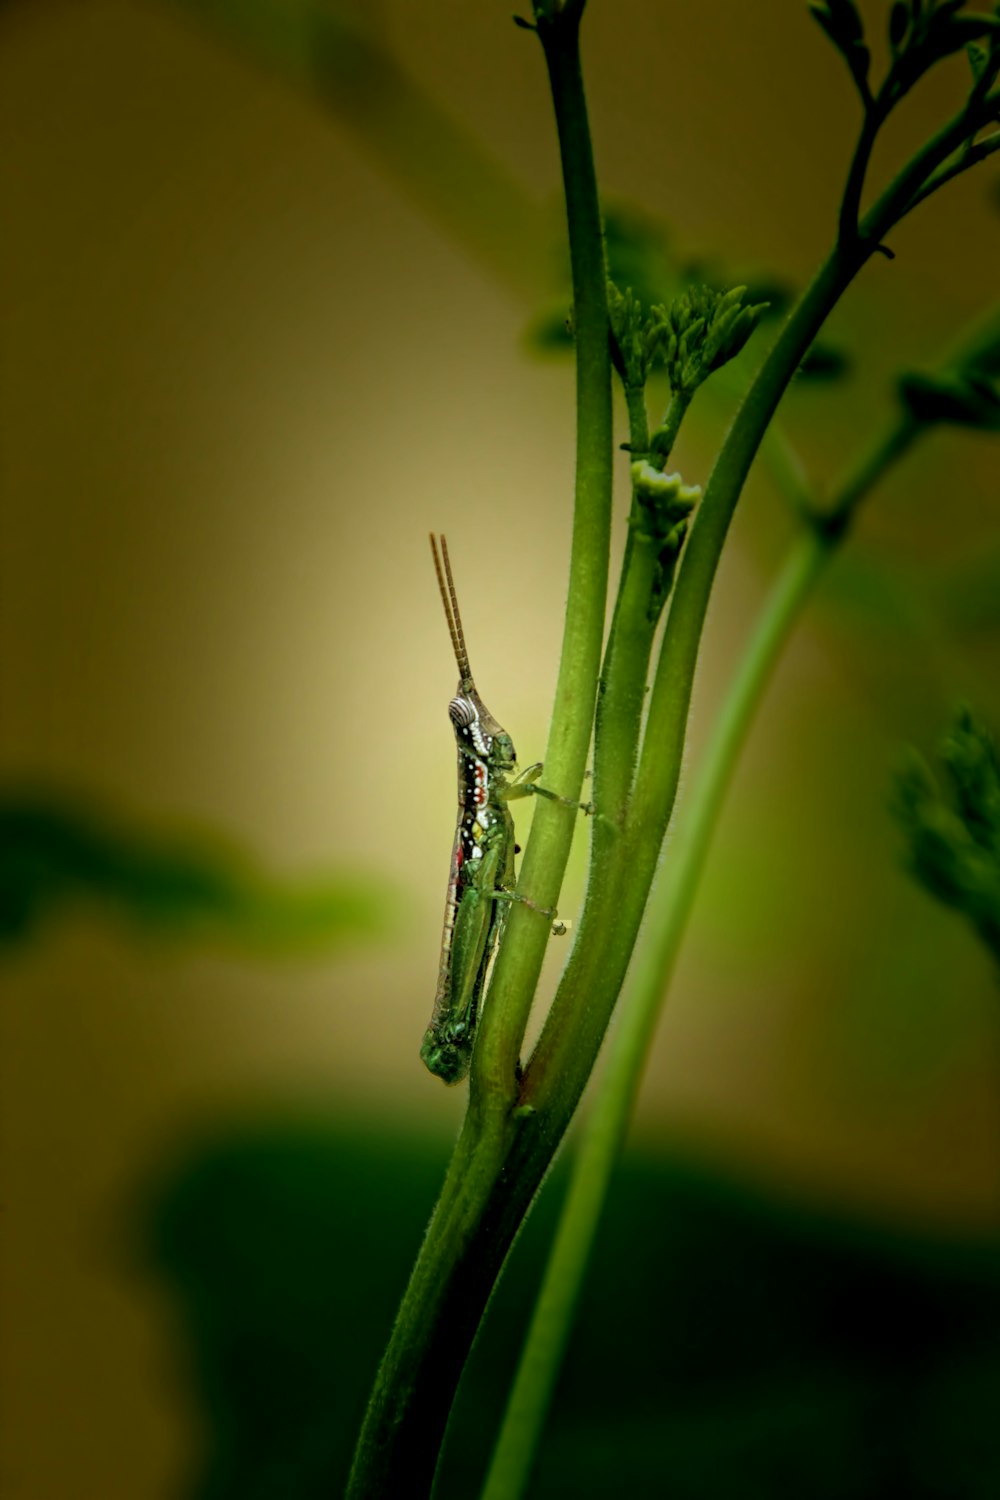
246, 365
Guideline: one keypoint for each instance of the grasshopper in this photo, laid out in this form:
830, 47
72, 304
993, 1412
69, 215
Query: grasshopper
481, 879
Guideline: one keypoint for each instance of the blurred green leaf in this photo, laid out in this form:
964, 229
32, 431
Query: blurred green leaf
280, 1242
57, 854
953, 833
965, 398
841, 21
339, 52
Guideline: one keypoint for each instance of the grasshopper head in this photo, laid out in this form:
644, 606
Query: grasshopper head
448, 1061
477, 731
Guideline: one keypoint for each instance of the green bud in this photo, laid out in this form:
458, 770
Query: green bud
637, 339
664, 490
703, 330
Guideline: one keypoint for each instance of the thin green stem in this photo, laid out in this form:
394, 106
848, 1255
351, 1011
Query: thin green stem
908, 186
659, 766
948, 171
605, 1130
851, 202
519, 962
630, 642
665, 436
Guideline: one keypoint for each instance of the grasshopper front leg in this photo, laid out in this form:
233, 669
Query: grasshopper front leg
526, 785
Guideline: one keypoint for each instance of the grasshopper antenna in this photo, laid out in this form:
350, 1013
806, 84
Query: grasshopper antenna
450, 601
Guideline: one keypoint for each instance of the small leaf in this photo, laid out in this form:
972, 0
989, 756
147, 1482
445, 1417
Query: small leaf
978, 57
948, 34
819, 14
954, 835
859, 61
842, 23
899, 24
971, 759
846, 19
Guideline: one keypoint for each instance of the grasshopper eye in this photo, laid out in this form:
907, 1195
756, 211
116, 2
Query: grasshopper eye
461, 712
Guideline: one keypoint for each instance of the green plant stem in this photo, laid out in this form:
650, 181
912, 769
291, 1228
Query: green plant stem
605, 1130
659, 767
622, 868
470, 1233
504, 1151
614, 737
638, 420
948, 171
495, 1064
619, 885
851, 202
910, 184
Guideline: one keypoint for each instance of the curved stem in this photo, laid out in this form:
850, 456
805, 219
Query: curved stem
851, 202
948, 171
617, 892
605, 1129
908, 186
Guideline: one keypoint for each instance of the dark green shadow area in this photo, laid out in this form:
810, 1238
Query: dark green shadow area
729, 1344
63, 851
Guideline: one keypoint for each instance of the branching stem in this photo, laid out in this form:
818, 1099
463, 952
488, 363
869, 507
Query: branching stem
604, 1132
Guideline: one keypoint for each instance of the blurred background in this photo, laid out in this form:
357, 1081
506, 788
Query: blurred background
280, 289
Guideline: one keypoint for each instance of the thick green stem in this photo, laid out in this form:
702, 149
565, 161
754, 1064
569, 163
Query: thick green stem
473, 1226
605, 1130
